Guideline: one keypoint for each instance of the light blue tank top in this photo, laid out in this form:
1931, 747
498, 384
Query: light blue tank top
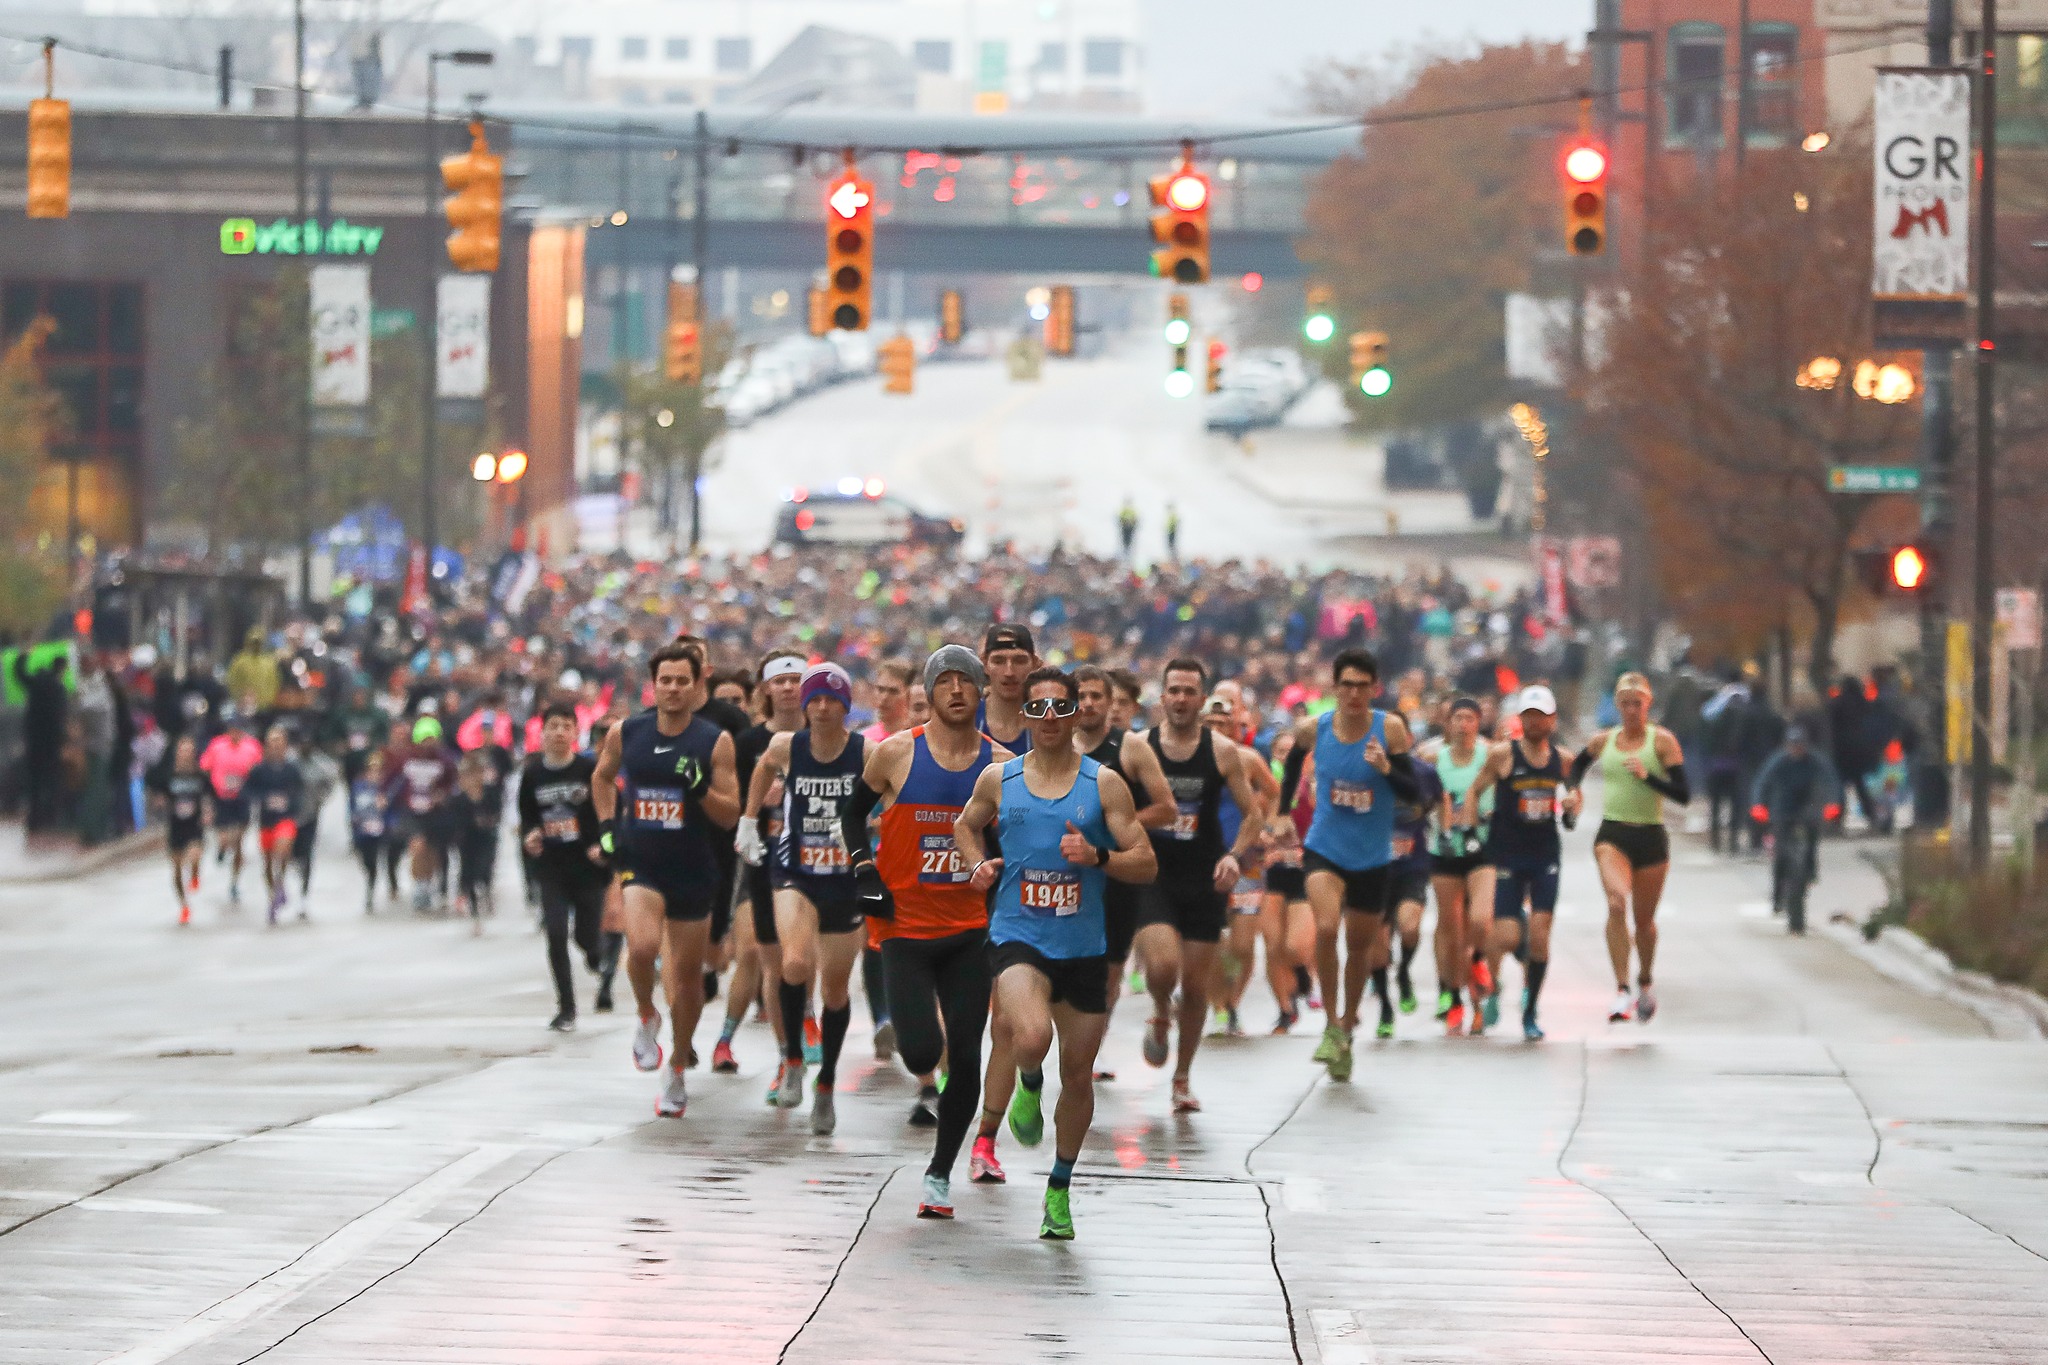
1354, 820
1044, 900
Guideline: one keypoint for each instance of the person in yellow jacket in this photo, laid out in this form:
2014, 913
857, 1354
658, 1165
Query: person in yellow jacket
253, 672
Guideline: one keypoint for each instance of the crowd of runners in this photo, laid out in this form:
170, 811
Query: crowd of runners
1000, 837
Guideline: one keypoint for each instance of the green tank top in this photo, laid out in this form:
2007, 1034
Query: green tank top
1458, 779
1627, 799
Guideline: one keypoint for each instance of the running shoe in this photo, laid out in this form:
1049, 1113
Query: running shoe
195, 876
1482, 977
1155, 1042
1333, 1037
1027, 1114
723, 1063
1530, 1031
938, 1197
1058, 1224
1340, 1060
675, 1097
1386, 1026
1622, 1009
1135, 982
565, 1022
1646, 1004
814, 1041
1445, 1002
775, 1086
924, 1113
1233, 1027
789, 1090
824, 1114
1454, 1021
1407, 993
885, 1041
604, 997
1105, 1075
235, 893
1284, 1025
982, 1166
184, 914
1489, 1008
1184, 1101
647, 1044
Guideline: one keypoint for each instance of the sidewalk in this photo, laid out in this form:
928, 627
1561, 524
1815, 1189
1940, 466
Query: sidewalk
63, 860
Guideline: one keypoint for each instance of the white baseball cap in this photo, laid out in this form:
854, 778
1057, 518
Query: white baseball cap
1537, 698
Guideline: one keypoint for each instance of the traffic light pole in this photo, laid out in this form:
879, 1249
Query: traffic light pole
303, 445
699, 252
1987, 451
430, 334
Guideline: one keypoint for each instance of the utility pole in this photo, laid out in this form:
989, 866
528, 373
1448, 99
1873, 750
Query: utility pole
700, 258
1932, 799
1741, 84
303, 438
430, 331
1987, 446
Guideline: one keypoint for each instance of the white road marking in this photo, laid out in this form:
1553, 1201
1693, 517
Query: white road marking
115, 1203
1341, 1338
84, 1118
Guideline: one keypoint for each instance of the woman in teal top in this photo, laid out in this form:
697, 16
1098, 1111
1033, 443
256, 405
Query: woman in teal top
1640, 765
1461, 874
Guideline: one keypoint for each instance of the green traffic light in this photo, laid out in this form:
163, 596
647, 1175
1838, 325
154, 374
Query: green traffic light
1178, 331
1319, 328
1375, 382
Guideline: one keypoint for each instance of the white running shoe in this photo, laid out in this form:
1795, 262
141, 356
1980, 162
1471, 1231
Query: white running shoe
824, 1116
1646, 1004
789, 1091
938, 1197
647, 1044
675, 1097
1623, 1009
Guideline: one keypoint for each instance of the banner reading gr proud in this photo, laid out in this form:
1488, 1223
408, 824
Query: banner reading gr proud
1922, 203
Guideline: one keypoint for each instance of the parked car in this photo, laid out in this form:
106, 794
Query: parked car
865, 516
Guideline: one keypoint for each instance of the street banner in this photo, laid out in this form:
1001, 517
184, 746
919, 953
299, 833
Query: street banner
1921, 209
2019, 611
1550, 562
465, 336
339, 307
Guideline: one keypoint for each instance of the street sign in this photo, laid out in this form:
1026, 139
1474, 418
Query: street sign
1873, 478
2019, 611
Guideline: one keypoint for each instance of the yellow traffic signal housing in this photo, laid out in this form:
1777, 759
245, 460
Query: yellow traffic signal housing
1059, 321
952, 317
820, 309
49, 158
1182, 229
682, 353
1214, 380
1369, 373
1584, 180
849, 252
476, 208
897, 360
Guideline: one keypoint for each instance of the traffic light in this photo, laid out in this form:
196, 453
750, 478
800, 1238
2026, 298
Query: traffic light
896, 358
1178, 328
1909, 570
49, 158
683, 355
1215, 375
850, 253
477, 178
820, 310
1369, 364
952, 317
1183, 229
1059, 321
1320, 323
1585, 197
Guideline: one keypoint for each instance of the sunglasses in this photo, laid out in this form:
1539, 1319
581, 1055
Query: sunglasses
1038, 708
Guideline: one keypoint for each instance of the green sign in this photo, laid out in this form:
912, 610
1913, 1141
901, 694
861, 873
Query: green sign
1874, 478
246, 237
389, 322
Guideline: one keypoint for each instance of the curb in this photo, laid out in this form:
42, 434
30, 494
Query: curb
124, 849
2010, 1012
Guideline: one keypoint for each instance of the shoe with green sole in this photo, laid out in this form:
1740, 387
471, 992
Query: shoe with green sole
1027, 1117
1332, 1035
1340, 1059
1058, 1223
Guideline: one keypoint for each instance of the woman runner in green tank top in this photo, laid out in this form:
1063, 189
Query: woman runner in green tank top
1640, 765
1461, 874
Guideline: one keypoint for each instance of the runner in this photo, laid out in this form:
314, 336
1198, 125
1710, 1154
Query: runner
1407, 898
1640, 765
1182, 914
422, 781
1460, 874
476, 810
934, 923
1066, 825
1286, 922
185, 790
817, 914
1362, 768
369, 823
226, 761
1126, 700
558, 828
781, 672
1008, 656
678, 781
730, 709
1524, 848
323, 774
894, 679
1228, 713
276, 791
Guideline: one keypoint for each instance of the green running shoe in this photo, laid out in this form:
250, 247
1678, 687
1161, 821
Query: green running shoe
1332, 1036
1444, 1001
1407, 996
1340, 1060
1386, 1028
1058, 1224
1489, 1008
1027, 1119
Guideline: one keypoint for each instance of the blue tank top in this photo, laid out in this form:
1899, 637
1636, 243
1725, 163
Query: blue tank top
1044, 900
813, 796
1354, 820
660, 807
1020, 745
1229, 818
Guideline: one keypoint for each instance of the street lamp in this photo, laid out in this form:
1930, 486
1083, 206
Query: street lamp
430, 328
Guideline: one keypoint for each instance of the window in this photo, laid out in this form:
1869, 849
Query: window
1694, 69
1773, 85
1103, 57
1052, 58
676, 49
932, 54
632, 49
577, 50
93, 357
735, 54
2023, 89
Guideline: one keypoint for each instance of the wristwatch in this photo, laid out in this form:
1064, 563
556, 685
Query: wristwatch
1102, 857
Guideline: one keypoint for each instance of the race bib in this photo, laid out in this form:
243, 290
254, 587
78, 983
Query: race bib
938, 862
229, 785
1355, 797
658, 808
371, 826
184, 810
278, 801
1186, 816
1044, 892
1245, 898
1404, 844
821, 857
1285, 857
558, 825
1538, 805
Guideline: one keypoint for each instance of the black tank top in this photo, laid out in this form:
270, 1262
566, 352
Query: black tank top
1110, 753
661, 806
1188, 848
1524, 829
814, 794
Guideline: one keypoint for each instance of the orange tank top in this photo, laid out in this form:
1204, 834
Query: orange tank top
916, 856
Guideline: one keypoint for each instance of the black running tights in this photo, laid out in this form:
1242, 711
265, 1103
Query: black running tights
938, 999
559, 906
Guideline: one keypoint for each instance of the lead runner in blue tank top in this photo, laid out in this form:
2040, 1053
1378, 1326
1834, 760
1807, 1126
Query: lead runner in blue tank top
1067, 824
1361, 768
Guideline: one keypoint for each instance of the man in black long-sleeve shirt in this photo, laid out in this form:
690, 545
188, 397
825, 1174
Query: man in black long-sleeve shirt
558, 827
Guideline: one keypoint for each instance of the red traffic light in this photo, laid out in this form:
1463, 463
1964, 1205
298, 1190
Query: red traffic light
1586, 163
848, 197
1909, 567
1187, 192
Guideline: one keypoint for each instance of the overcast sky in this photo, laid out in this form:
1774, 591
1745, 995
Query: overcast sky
1236, 57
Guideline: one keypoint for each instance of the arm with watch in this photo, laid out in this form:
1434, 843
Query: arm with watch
1132, 861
